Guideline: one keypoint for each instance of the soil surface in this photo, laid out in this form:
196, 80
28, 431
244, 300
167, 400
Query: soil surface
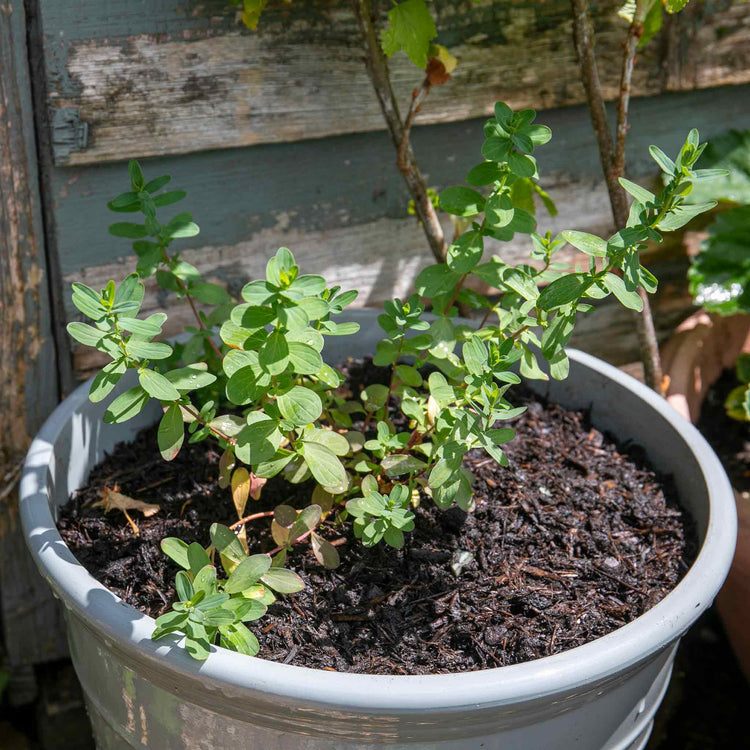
577, 537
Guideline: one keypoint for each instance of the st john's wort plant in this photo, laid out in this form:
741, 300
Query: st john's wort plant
281, 410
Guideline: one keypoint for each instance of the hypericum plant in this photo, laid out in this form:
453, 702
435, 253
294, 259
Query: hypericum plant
283, 410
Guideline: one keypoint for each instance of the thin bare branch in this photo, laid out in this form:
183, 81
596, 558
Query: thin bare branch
612, 156
377, 68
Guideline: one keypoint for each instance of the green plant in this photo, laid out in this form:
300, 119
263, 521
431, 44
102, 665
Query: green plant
719, 274
282, 411
737, 404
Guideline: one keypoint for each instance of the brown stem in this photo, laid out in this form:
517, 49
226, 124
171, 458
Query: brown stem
298, 539
417, 97
189, 297
193, 413
377, 69
623, 103
613, 158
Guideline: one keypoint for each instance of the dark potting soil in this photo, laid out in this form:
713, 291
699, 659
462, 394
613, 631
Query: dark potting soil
574, 539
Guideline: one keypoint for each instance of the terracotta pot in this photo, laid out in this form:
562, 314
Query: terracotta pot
702, 347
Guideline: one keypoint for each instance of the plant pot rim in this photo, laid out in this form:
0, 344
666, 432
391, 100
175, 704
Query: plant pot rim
128, 631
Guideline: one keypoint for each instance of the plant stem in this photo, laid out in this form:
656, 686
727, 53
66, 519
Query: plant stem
193, 413
189, 297
298, 539
253, 517
377, 67
613, 158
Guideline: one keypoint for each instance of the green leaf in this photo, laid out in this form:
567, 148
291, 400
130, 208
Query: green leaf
300, 405
149, 349
171, 432
559, 365
217, 617
411, 29
274, 354
209, 294
521, 165
616, 285
106, 380
497, 148
259, 441
304, 358
562, 291
557, 334
177, 550
485, 174
136, 175
237, 637
461, 201
499, 211
665, 163
247, 573
401, 463
465, 252
205, 576
190, 378
157, 386
226, 542
409, 375
198, 648
441, 473
85, 334
638, 192
243, 387
170, 197
436, 279
198, 560
681, 215
128, 230
169, 623
282, 580
529, 368
475, 355
88, 301
147, 328
332, 440
674, 6
324, 464
586, 243
184, 586
274, 465
126, 406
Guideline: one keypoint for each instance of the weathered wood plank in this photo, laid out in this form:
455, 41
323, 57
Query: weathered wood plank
208, 85
366, 258
32, 622
335, 183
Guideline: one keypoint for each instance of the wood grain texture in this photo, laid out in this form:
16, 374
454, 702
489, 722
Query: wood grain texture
210, 85
32, 623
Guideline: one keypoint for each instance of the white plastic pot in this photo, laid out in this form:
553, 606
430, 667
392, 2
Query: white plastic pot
142, 693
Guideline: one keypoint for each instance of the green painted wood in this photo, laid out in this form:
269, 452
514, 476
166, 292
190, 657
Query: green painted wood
170, 77
32, 627
350, 180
